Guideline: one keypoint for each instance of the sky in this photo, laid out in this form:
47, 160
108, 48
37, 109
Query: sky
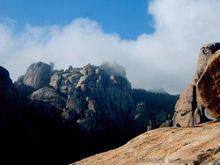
124, 17
157, 41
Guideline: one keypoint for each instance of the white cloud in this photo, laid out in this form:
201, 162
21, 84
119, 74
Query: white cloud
165, 59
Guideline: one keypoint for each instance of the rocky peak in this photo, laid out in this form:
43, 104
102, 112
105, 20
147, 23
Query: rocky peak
4, 74
158, 90
10, 101
37, 75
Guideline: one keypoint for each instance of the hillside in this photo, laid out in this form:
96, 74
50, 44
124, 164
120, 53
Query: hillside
192, 145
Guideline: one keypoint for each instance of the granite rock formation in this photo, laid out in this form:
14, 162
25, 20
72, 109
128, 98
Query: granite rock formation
194, 104
200, 145
208, 86
96, 98
65, 115
37, 75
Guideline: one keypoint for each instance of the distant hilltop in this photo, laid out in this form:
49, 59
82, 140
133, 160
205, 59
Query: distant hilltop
158, 90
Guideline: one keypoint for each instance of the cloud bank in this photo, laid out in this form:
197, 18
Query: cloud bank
164, 59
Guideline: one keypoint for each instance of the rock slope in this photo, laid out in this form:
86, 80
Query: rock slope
192, 145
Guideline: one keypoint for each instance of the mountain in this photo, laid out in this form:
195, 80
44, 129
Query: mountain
60, 116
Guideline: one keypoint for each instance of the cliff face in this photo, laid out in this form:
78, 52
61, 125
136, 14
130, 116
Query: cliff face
199, 102
192, 145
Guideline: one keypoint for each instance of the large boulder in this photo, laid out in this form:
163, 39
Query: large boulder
190, 108
208, 86
37, 75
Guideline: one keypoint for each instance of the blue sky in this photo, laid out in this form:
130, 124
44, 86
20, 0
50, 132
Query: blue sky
158, 50
128, 18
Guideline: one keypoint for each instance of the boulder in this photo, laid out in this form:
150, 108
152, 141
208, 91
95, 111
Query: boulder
37, 75
190, 108
208, 86
50, 96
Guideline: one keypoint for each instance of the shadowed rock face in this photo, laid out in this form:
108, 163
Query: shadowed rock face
65, 115
208, 86
10, 100
184, 108
202, 93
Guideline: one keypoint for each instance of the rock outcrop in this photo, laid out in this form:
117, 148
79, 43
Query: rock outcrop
201, 97
37, 75
98, 99
66, 115
208, 86
200, 145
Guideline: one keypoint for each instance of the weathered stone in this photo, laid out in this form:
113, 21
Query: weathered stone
208, 86
37, 75
190, 107
205, 53
184, 109
49, 95
55, 80
195, 145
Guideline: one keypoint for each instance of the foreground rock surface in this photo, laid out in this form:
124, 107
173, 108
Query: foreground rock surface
192, 145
